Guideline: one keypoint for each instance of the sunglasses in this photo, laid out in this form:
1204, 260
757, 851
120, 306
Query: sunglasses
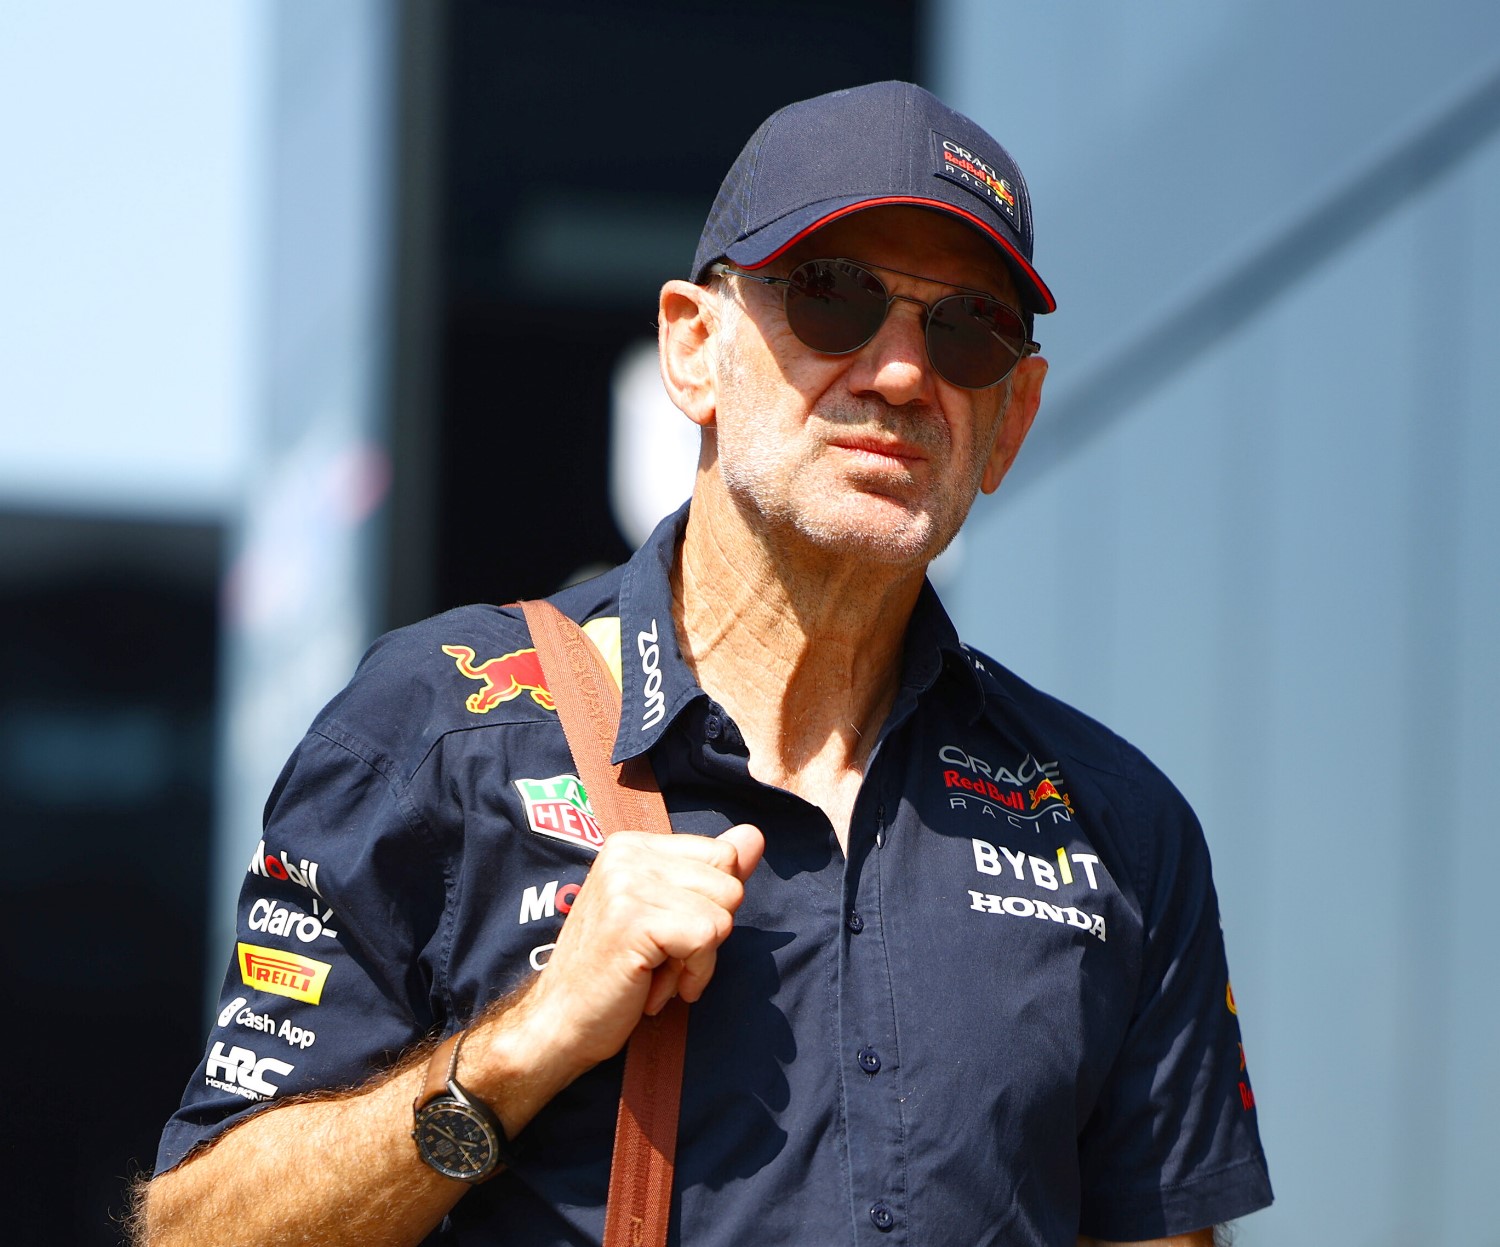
836, 306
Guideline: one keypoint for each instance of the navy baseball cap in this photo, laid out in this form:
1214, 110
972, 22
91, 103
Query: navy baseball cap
886, 143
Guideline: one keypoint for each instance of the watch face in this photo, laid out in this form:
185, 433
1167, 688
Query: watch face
455, 1140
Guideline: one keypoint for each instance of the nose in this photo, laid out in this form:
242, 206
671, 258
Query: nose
893, 364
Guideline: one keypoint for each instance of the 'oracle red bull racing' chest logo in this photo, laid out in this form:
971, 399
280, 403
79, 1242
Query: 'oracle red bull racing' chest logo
505, 678
1029, 792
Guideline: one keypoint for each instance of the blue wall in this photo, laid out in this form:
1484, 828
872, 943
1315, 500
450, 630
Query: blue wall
1256, 536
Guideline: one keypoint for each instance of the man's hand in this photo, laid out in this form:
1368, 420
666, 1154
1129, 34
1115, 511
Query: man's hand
645, 927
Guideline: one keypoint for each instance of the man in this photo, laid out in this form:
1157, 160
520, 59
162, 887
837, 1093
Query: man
951, 948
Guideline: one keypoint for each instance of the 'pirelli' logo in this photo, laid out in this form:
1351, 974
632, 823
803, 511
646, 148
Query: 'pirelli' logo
282, 973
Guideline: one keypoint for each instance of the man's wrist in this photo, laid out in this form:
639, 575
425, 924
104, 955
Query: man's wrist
454, 1130
512, 1060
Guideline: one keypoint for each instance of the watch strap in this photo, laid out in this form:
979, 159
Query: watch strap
442, 1067
442, 1081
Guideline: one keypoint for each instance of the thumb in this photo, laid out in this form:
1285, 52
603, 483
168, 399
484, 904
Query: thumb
749, 845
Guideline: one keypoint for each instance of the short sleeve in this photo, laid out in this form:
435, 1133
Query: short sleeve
338, 944
1172, 1144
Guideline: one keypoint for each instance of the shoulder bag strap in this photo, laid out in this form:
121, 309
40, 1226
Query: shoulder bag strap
622, 795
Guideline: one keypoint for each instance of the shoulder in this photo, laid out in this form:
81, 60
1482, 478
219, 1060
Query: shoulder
1087, 742
1111, 781
468, 667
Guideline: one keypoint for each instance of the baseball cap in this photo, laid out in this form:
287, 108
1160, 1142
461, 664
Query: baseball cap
885, 143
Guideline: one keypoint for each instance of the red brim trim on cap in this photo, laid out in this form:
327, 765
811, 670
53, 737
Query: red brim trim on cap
1049, 303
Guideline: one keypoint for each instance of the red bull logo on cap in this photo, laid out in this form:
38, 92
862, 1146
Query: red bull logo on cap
505, 678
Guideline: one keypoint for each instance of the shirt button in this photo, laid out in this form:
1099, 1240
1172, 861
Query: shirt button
881, 1215
713, 726
855, 922
869, 1060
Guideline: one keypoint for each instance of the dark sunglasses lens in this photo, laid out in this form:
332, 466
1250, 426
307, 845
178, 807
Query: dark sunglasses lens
974, 342
834, 307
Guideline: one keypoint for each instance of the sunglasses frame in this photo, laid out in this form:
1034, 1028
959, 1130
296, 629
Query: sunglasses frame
1028, 346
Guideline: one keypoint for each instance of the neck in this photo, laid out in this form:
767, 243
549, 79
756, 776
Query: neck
801, 647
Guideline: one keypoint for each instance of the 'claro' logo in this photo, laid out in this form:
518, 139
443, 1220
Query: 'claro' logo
275, 919
282, 973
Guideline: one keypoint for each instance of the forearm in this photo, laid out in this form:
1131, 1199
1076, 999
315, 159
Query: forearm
343, 1169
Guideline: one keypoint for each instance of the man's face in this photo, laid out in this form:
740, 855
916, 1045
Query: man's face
870, 453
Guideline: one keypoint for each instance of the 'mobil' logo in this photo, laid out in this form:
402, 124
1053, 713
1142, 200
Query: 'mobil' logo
282, 973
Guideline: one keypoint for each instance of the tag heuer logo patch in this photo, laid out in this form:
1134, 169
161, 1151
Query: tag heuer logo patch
559, 807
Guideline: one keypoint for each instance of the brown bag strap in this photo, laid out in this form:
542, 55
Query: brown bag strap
623, 795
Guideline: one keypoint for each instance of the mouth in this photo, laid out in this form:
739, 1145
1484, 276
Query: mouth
880, 450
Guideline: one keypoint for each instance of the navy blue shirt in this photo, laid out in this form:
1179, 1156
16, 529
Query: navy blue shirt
1004, 1017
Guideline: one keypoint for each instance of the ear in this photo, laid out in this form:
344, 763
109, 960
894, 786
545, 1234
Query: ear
1024, 397
686, 324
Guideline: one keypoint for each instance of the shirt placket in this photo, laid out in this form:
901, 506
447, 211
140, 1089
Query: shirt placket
869, 1056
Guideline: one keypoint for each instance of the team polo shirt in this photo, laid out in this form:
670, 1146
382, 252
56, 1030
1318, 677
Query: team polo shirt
1004, 1017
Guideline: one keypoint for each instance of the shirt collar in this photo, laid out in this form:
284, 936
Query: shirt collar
655, 683
933, 650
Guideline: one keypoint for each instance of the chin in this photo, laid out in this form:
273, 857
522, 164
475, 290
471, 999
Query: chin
885, 533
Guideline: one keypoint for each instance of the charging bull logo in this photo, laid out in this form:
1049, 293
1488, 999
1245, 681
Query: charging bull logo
1048, 791
505, 678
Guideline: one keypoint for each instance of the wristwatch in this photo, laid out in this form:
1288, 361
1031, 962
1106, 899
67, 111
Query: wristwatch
456, 1134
